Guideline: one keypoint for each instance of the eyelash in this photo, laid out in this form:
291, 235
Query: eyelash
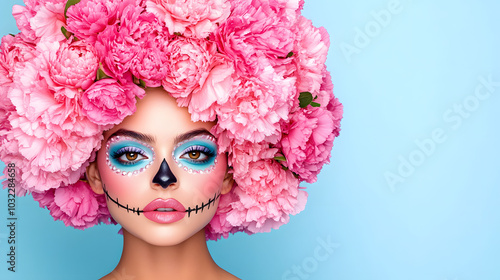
122, 151
197, 148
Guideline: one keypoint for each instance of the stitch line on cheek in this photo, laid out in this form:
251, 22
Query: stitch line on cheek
108, 197
197, 208
203, 205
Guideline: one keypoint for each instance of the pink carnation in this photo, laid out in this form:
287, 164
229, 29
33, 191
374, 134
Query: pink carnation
312, 45
242, 155
256, 35
219, 225
308, 137
263, 199
267, 195
39, 18
48, 139
215, 90
108, 102
192, 18
48, 21
256, 108
74, 65
76, 205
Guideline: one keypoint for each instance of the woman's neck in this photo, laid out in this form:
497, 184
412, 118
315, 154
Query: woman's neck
185, 261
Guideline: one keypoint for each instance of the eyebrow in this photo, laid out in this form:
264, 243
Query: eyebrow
133, 134
191, 134
150, 139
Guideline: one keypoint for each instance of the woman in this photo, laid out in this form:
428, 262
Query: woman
250, 76
172, 194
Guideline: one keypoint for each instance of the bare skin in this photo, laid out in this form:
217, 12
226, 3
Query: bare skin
189, 260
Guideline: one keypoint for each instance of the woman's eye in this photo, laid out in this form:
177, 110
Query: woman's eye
197, 156
131, 157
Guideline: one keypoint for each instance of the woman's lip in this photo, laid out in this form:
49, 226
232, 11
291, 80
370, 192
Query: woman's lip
164, 217
164, 203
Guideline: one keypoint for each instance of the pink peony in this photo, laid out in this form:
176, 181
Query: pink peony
150, 63
14, 51
118, 45
90, 17
188, 63
76, 205
197, 76
74, 65
192, 18
108, 102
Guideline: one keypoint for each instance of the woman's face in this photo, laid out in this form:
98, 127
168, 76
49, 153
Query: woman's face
161, 172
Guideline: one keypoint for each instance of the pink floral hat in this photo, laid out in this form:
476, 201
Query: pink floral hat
257, 67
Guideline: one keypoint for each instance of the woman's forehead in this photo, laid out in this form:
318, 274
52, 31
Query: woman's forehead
158, 116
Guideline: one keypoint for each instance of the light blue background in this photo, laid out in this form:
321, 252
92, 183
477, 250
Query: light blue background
441, 223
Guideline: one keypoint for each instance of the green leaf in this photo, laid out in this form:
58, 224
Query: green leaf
65, 32
305, 98
290, 54
314, 104
142, 83
101, 75
280, 158
69, 4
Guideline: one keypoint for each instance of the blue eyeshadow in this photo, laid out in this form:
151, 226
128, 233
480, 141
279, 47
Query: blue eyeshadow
128, 156
197, 155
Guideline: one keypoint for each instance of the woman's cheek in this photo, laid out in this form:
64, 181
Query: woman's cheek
211, 183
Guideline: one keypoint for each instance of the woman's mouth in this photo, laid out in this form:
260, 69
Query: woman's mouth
164, 211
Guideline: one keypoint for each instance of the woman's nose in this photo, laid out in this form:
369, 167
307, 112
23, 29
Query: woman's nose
164, 177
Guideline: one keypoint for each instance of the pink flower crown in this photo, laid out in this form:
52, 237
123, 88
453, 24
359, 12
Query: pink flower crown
256, 66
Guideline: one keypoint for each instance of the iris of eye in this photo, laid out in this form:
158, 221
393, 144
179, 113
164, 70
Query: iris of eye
131, 156
194, 155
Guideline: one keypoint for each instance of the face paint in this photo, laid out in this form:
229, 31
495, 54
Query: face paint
196, 155
164, 177
127, 156
197, 209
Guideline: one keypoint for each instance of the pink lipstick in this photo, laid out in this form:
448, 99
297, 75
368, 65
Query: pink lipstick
164, 211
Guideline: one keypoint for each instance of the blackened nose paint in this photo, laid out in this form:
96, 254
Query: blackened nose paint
164, 177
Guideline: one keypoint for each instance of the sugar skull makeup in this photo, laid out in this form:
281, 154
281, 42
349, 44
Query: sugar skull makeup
196, 155
128, 156
132, 169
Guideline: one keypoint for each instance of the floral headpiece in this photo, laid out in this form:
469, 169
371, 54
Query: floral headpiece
257, 67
